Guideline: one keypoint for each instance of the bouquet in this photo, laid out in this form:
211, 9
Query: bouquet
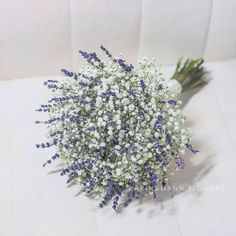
119, 128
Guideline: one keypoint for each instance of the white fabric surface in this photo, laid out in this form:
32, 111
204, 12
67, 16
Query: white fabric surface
221, 39
36, 202
35, 37
40, 37
173, 30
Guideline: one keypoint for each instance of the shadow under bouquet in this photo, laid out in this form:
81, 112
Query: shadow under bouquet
119, 128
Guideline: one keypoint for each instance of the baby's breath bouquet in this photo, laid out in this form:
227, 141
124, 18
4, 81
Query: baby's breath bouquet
118, 128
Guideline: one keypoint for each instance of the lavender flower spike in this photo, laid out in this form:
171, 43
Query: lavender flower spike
89, 56
106, 51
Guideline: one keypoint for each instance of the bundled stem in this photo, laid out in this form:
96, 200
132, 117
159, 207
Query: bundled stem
191, 74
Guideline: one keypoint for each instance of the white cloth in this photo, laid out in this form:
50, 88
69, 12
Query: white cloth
174, 86
36, 202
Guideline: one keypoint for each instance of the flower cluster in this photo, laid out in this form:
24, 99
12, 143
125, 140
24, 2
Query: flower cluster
117, 127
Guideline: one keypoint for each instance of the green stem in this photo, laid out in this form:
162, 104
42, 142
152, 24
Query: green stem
191, 74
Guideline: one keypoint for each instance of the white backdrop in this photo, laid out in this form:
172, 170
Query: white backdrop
41, 37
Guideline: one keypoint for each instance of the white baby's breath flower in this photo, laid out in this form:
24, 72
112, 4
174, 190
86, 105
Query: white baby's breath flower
117, 147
